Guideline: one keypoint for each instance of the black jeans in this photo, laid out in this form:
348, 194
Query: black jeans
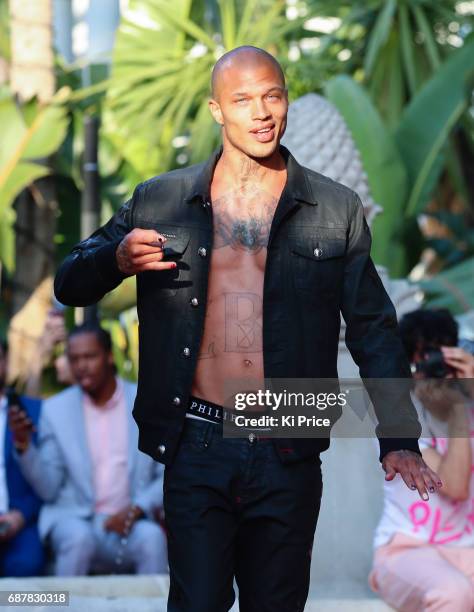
232, 508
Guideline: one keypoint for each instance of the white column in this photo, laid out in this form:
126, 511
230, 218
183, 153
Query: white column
62, 25
103, 19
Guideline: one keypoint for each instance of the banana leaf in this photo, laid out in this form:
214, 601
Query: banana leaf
379, 35
427, 121
28, 133
452, 288
382, 163
407, 49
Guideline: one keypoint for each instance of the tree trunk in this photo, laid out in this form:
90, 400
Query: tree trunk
32, 74
35, 228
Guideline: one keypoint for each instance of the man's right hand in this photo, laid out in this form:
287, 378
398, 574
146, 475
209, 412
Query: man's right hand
21, 427
142, 250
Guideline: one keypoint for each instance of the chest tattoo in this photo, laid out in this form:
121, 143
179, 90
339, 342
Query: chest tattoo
242, 219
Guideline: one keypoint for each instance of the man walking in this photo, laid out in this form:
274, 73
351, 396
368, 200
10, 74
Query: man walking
243, 266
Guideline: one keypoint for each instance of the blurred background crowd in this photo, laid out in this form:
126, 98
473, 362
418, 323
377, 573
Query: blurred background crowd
97, 96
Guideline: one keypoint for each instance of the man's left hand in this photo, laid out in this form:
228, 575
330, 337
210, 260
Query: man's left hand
122, 521
414, 471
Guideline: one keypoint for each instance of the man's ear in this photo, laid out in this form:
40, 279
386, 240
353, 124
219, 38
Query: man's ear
216, 111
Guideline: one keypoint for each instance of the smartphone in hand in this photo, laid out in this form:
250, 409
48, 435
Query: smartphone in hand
13, 399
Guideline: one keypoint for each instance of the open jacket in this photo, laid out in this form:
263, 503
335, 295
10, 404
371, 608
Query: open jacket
318, 266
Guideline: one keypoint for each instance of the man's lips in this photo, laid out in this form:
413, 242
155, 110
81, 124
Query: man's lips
265, 133
263, 128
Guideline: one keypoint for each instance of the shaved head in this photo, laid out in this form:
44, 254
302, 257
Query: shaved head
245, 56
249, 101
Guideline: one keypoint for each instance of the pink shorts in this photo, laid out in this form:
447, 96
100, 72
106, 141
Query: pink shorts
413, 576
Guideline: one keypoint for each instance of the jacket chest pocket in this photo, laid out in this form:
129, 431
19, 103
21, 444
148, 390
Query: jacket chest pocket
317, 264
161, 284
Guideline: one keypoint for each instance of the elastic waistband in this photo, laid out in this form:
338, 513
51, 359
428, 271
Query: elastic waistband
213, 413
208, 411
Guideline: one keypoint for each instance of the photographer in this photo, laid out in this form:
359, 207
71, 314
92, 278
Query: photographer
424, 551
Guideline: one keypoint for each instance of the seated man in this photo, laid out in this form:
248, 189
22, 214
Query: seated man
21, 551
100, 492
424, 551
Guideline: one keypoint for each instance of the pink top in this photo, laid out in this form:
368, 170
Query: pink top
107, 436
440, 520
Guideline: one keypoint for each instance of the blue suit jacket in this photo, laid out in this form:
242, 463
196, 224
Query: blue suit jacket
21, 495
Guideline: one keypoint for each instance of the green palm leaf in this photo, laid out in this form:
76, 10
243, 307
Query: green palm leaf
428, 120
379, 35
382, 162
165, 94
29, 133
407, 49
452, 288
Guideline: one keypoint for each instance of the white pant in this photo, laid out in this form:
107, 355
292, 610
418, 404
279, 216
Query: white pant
80, 545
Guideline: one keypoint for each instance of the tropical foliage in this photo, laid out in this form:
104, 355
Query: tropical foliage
392, 46
404, 165
161, 72
30, 132
398, 70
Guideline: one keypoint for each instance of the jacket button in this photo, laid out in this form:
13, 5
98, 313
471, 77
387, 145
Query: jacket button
176, 401
317, 252
186, 351
194, 301
161, 449
202, 252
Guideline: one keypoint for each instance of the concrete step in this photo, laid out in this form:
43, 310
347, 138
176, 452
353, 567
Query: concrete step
124, 593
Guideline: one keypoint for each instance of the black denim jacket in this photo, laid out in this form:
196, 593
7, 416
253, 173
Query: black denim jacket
318, 265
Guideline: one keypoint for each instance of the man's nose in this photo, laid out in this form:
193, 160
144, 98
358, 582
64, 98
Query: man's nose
81, 366
260, 110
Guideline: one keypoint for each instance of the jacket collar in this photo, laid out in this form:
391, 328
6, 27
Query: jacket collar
297, 183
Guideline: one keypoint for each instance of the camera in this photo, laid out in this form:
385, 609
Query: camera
433, 365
